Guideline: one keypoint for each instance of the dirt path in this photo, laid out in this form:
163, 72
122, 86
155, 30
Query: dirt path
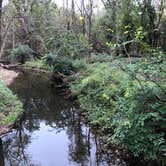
8, 76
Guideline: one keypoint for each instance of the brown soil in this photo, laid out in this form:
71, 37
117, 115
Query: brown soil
8, 76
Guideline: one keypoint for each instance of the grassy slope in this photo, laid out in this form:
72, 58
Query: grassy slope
10, 106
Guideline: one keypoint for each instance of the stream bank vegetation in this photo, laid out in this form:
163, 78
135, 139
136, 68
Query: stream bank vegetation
10, 108
110, 54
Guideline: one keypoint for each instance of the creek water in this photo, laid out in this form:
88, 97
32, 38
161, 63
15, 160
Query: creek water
51, 131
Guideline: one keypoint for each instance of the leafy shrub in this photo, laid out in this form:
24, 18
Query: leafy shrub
93, 88
63, 65
22, 53
139, 121
68, 45
126, 101
50, 59
140, 112
79, 65
60, 64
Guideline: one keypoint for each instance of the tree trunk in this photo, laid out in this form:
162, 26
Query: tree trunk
90, 15
1, 22
73, 17
13, 35
4, 40
83, 16
23, 22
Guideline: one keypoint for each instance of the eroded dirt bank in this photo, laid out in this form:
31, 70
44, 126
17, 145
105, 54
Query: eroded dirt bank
8, 76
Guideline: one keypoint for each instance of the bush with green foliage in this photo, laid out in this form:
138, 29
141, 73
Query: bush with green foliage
50, 59
79, 64
127, 103
60, 64
139, 123
68, 44
22, 53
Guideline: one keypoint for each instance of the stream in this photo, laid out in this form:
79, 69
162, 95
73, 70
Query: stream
51, 132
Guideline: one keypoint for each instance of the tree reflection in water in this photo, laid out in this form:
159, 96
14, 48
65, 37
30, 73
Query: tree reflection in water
1, 154
42, 105
79, 142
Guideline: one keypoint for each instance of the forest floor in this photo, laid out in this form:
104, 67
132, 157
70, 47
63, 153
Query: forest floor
10, 106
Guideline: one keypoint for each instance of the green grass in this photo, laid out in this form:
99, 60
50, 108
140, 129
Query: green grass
10, 106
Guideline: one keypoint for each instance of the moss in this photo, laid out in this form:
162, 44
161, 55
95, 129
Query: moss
10, 106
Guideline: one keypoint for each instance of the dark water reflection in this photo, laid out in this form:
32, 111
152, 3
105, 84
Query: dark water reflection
51, 132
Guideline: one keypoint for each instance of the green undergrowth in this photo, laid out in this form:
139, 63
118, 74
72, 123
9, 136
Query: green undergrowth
37, 64
124, 99
126, 102
10, 106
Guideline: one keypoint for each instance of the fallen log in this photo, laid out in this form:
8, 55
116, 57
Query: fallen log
8, 67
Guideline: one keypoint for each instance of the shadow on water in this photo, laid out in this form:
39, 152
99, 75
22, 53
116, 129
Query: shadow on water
1, 154
51, 132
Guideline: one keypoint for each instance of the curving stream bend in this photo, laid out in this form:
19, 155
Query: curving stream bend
51, 132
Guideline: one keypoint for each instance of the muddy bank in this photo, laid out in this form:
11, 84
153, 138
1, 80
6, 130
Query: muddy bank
8, 76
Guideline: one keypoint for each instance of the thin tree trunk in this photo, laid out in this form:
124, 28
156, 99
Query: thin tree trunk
73, 17
114, 19
90, 19
14, 36
1, 22
90, 15
4, 40
83, 16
